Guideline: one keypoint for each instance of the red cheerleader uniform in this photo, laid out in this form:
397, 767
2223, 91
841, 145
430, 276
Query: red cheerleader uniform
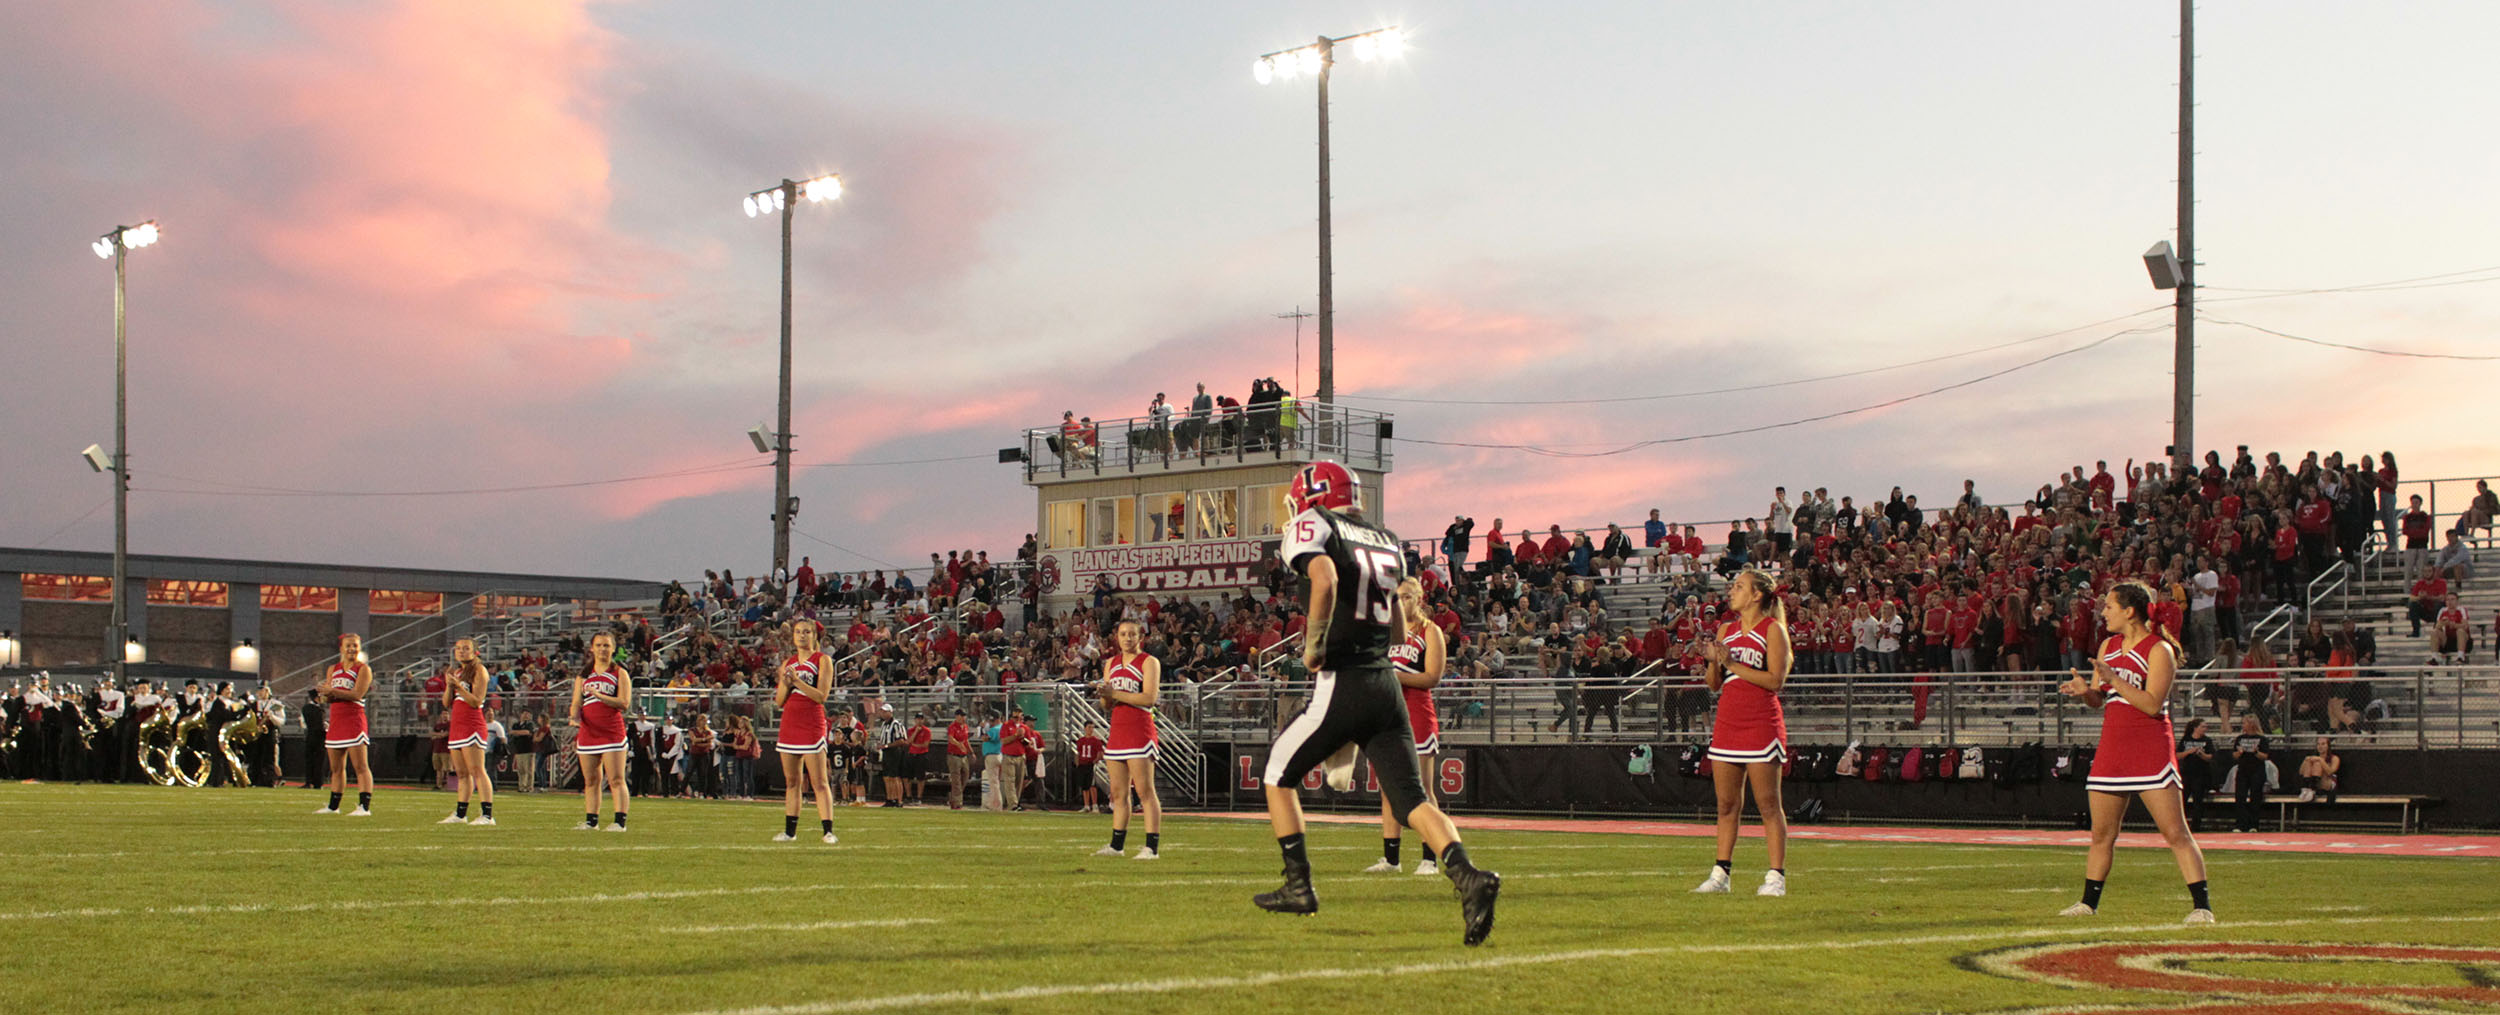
603, 725
468, 725
802, 718
1749, 728
2136, 749
347, 718
1132, 728
1420, 711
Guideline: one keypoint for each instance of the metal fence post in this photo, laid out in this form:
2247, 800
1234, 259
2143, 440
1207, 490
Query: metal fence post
2421, 721
1848, 707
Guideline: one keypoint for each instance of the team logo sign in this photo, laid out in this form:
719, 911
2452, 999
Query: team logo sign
2249, 978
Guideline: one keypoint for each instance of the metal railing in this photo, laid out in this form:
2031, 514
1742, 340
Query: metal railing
381, 651
1357, 438
2423, 707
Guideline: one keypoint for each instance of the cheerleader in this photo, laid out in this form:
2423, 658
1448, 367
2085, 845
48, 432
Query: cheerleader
347, 736
599, 704
1748, 662
2131, 678
799, 692
1131, 679
464, 692
1418, 662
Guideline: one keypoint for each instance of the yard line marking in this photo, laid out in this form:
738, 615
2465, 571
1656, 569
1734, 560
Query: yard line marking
1205, 983
818, 925
350, 905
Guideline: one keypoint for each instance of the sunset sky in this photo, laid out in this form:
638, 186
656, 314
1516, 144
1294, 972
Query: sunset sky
468, 246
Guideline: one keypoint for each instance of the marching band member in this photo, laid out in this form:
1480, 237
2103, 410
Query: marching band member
264, 758
144, 701
111, 708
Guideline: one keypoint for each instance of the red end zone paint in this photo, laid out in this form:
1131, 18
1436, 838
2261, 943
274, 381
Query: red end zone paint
2288, 842
2162, 966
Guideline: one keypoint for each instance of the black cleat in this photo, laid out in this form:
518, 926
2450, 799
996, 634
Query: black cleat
1477, 890
1294, 896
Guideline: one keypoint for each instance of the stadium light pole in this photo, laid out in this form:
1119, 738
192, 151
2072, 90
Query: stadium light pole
784, 199
114, 246
2183, 354
1316, 60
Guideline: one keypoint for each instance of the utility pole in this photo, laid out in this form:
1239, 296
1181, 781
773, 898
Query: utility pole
1327, 285
2183, 357
789, 202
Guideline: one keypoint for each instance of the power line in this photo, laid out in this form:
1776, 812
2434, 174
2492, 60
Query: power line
65, 526
2401, 283
1764, 386
820, 539
2355, 348
1553, 451
225, 489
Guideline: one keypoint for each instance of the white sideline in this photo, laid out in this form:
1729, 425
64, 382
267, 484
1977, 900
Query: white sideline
817, 925
1201, 983
349, 905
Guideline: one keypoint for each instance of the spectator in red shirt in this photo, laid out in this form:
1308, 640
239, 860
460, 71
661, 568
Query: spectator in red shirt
916, 746
1963, 629
958, 760
1557, 548
2417, 530
1935, 625
1011, 740
1528, 553
1088, 771
2286, 551
2429, 593
2451, 638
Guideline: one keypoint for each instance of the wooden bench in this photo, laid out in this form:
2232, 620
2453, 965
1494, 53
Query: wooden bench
2408, 807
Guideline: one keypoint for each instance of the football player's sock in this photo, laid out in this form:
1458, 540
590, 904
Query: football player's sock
1454, 858
1428, 853
1297, 856
620, 819
334, 800
1728, 866
2092, 892
460, 809
486, 809
2196, 891
790, 825
828, 823
1119, 839
1154, 842
364, 801
590, 820
1389, 851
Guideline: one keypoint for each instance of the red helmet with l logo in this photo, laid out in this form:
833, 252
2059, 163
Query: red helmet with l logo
1322, 484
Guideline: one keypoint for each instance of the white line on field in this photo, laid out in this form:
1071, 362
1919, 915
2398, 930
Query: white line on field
818, 925
1205, 983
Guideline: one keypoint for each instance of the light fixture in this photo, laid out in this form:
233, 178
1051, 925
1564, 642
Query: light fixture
103, 248
1392, 43
134, 652
1262, 71
749, 205
2163, 264
96, 458
140, 235
244, 658
822, 188
8, 648
1311, 59
760, 434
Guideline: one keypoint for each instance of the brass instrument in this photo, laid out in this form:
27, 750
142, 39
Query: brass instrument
86, 722
230, 740
157, 738
190, 766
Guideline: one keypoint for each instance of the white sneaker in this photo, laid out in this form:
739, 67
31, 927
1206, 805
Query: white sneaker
1147, 854
615, 828
1717, 885
453, 820
2078, 909
360, 813
1381, 866
1774, 883
830, 838
585, 828
1427, 867
1108, 851
327, 810
2308, 795
784, 837
481, 820
2199, 916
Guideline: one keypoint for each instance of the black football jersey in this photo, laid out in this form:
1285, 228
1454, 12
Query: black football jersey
1369, 567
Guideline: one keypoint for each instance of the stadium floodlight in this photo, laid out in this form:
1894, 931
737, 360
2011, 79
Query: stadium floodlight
2163, 264
762, 438
784, 198
244, 658
111, 246
1387, 43
96, 458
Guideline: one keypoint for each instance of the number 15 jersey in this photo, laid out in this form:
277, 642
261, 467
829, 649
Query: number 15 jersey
1369, 567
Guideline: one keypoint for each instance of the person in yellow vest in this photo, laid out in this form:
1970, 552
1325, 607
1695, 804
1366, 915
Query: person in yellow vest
1288, 416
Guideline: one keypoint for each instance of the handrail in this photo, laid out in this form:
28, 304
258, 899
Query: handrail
282, 685
1356, 436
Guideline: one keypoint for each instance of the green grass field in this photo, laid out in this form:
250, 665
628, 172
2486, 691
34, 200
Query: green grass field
129, 899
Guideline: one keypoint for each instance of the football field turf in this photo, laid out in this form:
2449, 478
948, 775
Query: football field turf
145, 899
